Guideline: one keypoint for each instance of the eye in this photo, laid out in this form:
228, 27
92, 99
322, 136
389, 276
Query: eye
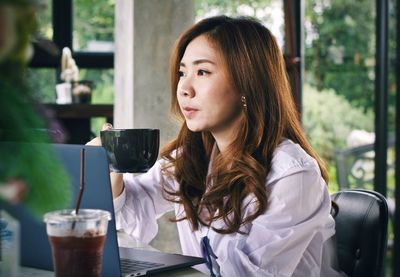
202, 72
181, 73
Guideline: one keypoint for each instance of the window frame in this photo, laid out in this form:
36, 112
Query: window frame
62, 21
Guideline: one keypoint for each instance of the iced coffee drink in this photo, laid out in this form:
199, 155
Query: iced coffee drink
77, 241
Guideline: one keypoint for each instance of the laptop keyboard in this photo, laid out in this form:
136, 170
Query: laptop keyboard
129, 265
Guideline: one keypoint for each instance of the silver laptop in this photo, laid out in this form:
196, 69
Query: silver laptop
117, 261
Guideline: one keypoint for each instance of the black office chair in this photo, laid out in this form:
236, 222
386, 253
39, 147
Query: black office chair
361, 232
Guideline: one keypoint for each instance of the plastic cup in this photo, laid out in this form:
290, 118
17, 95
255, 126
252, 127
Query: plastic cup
77, 241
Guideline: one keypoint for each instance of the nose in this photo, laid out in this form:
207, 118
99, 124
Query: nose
185, 88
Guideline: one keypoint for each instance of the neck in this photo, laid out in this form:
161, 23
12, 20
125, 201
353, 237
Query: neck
223, 138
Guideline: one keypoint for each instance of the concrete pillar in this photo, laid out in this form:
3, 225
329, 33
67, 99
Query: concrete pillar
145, 31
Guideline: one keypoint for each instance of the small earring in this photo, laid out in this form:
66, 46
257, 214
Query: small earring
243, 99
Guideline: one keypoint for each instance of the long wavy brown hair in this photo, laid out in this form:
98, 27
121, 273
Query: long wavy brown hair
257, 71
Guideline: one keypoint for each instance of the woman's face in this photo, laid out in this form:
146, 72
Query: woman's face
205, 94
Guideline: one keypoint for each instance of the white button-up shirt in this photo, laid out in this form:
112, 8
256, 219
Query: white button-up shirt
291, 238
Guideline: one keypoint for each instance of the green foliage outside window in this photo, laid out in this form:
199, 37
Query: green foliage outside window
341, 56
329, 118
340, 50
93, 21
230, 7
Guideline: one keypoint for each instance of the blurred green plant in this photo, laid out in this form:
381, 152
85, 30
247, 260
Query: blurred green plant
24, 150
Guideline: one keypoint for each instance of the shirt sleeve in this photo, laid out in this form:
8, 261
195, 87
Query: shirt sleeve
142, 202
298, 209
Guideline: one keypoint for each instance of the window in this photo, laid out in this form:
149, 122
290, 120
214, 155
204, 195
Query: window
87, 28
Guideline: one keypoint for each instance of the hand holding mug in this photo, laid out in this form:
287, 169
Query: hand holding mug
97, 141
117, 184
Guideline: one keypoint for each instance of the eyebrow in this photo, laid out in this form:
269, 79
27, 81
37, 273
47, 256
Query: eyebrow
197, 62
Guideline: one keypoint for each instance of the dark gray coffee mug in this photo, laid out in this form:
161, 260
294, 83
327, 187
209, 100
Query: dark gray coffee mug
131, 150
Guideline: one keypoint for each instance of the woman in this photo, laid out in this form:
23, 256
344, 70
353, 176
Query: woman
245, 184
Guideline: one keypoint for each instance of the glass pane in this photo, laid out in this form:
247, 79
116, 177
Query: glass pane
95, 125
45, 19
270, 12
93, 29
338, 92
103, 82
43, 82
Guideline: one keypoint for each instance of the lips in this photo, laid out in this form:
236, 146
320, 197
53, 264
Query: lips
189, 111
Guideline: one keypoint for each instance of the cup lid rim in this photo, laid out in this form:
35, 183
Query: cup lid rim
68, 215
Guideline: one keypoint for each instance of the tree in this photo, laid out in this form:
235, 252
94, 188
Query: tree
329, 130
341, 47
93, 21
261, 9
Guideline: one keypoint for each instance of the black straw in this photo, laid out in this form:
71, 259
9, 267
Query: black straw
82, 180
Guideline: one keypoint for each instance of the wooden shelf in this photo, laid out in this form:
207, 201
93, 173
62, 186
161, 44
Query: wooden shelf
75, 119
82, 110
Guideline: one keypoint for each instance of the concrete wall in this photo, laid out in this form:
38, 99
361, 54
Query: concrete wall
145, 31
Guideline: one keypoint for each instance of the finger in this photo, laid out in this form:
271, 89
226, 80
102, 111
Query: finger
106, 126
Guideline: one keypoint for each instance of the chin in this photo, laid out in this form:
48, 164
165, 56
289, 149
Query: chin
194, 128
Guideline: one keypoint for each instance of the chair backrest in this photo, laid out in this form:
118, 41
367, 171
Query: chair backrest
361, 232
